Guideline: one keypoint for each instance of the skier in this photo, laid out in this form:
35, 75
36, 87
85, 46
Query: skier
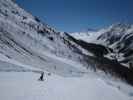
41, 77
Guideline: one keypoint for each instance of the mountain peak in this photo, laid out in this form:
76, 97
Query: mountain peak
121, 25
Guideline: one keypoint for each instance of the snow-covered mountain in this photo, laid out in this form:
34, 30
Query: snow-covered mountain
109, 34
85, 35
117, 37
29, 45
114, 32
24, 38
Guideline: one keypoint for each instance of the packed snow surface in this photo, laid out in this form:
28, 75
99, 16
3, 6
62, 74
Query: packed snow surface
25, 86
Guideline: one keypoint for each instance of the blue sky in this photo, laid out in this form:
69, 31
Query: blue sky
78, 15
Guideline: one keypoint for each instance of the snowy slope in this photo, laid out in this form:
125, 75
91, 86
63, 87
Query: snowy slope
28, 45
56, 88
25, 85
25, 39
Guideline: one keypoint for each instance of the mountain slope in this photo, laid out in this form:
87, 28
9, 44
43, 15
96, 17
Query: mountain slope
28, 45
117, 37
25, 39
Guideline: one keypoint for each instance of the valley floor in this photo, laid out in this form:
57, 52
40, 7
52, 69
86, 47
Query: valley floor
25, 86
